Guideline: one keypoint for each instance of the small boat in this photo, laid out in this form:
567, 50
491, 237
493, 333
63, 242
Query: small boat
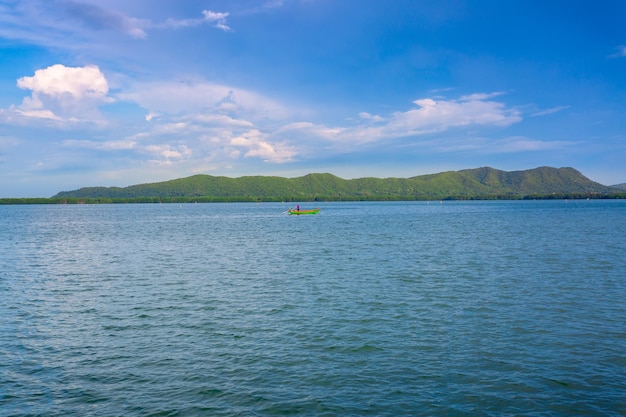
299, 211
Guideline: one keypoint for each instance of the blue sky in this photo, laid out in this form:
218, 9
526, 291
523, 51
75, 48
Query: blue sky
115, 93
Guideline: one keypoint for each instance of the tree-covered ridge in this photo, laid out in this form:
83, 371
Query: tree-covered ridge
470, 183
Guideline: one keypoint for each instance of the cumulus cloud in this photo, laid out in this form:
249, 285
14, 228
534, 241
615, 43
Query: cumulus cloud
64, 93
78, 83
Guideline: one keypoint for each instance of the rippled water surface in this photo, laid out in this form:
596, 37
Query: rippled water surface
453, 308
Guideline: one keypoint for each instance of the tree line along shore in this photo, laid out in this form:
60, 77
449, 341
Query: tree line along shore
472, 184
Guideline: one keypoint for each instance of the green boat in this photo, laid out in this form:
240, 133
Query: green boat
298, 212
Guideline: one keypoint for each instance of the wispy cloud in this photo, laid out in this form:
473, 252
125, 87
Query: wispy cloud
435, 115
271, 4
193, 97
70, 22
98, 18
480, 96
199, 123
107, 145
524, 144
304, 139
430, 116
552, 110
217, 19
621, 52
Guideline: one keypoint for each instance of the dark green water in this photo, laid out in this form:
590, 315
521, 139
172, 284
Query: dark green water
382, 309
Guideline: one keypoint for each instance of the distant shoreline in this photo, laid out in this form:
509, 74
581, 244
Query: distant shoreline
209, 199
471, 184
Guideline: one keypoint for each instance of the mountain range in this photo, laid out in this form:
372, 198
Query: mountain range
478, 183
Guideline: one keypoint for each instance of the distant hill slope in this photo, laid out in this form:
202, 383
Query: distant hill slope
620, 186
470, 183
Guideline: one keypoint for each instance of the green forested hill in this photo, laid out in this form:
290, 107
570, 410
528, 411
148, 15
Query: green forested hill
470, 183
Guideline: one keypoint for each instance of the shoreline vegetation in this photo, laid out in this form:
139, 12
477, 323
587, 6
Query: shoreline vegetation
471, 184
185, 200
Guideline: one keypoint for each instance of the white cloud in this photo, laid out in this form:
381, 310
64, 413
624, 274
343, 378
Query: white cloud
198, 123
271, 4
106, 146
310, 129
64, 93
439, 115
39, 114
58, 80
119, 145
169, 152
220, 120
372, 117
428, 117
547, 112
171, 128
217, 19
256, 145
480, 96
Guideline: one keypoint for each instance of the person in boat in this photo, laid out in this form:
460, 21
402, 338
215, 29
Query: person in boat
298, 207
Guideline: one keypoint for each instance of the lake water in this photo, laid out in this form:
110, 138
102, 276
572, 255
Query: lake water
381, 309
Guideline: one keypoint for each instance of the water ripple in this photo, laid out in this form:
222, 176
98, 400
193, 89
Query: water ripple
464, 308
